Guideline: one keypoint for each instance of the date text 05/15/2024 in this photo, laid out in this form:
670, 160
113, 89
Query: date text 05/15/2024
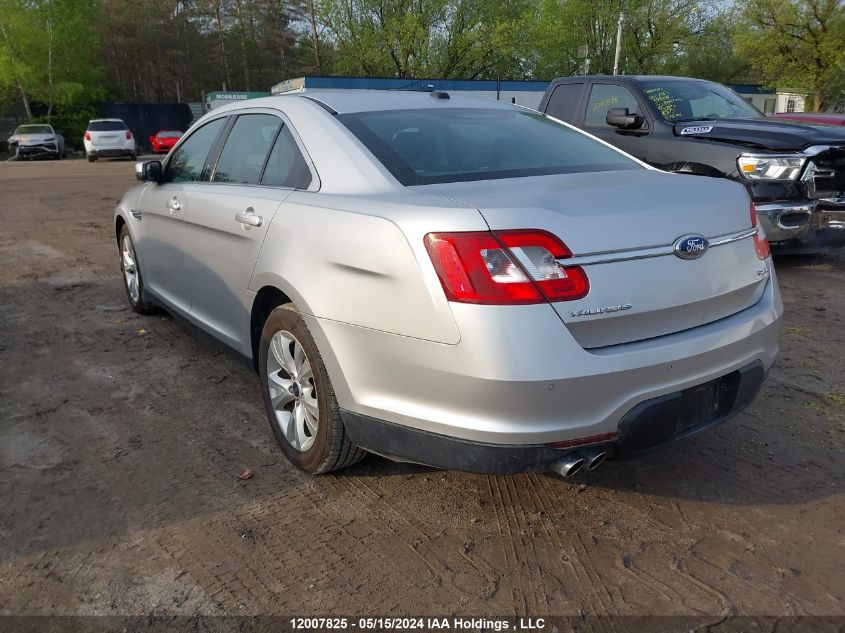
418, 623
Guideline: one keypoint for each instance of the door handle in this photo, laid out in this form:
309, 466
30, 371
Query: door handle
173, 204
248, 217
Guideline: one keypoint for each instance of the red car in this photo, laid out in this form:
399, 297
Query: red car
823, 118
164, 140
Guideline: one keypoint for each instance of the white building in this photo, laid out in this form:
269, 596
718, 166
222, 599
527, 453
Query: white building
769, 102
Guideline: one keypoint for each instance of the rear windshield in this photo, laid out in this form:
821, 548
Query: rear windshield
106, 126
34, 129
428, 146
169, 134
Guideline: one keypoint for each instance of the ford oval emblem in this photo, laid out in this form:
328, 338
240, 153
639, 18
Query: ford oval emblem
691, 246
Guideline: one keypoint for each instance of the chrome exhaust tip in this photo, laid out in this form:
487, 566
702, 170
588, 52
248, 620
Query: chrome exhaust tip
568, 466
595, 459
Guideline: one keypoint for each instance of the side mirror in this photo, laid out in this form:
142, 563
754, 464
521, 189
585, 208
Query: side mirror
621, 118
149, 170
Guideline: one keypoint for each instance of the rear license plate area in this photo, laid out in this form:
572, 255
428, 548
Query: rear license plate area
703, 403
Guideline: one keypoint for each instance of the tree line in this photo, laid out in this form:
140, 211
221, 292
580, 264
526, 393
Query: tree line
56, 56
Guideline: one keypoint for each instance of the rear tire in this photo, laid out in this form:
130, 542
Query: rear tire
130, 268
295, 385
91, 159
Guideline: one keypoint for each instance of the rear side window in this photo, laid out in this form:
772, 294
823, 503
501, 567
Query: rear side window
606, 96
106, 126
187, 161
246, 149
286, 166
564, 100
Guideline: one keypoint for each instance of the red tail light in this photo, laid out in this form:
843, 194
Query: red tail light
87, 136
761, 244
505, 267
128, 136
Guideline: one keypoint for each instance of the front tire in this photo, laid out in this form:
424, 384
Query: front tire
299, 398
133, 283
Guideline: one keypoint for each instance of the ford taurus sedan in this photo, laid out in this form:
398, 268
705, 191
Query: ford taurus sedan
452, 281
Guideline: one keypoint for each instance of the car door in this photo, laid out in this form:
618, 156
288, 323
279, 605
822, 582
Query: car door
159, 242
601, 98
259, 165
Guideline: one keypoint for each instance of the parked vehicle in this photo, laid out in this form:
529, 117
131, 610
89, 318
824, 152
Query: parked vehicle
164, 140
37, 140
794, 173
109, 138
820, 118
455, 282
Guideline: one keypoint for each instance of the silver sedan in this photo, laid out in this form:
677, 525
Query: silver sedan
452, 281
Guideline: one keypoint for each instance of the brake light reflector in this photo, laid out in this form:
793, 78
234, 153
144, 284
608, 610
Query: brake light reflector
761, 244
128, 136
87, 136
506, 267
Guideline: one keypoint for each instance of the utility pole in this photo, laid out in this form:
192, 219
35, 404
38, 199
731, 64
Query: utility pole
618, 43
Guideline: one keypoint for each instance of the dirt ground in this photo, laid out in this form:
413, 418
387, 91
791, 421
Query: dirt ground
121, 437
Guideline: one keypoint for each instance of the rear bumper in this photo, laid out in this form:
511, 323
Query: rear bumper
518, 377
651, 423
111, 152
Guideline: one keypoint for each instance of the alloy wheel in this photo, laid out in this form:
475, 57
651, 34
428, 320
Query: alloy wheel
293, 393
130, 269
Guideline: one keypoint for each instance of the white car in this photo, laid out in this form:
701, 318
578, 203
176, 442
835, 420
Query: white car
109, 138
37, 139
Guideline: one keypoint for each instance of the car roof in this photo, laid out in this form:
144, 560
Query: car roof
110, 120
346, 101
624, 78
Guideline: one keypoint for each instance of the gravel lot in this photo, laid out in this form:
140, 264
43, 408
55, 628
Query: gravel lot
121, 437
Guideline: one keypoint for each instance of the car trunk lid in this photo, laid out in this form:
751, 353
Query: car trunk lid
622, 228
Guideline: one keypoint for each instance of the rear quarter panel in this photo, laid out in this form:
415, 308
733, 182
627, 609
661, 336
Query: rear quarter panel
363, 261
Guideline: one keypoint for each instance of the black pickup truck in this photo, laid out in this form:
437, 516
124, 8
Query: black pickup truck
794, 172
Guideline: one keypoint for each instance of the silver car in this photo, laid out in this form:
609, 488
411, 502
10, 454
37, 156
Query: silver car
455, 282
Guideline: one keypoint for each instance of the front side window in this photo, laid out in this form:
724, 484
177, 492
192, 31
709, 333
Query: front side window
679, 101
286, 166
437, 145
603, 97
246, 149
187, 161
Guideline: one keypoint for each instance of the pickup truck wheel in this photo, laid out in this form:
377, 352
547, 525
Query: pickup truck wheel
299, 397
133, 283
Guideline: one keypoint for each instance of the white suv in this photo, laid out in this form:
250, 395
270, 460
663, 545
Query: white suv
109, 137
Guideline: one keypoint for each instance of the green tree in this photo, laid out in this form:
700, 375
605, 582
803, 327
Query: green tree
797, 45
419, 38
657, 34
47, 51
